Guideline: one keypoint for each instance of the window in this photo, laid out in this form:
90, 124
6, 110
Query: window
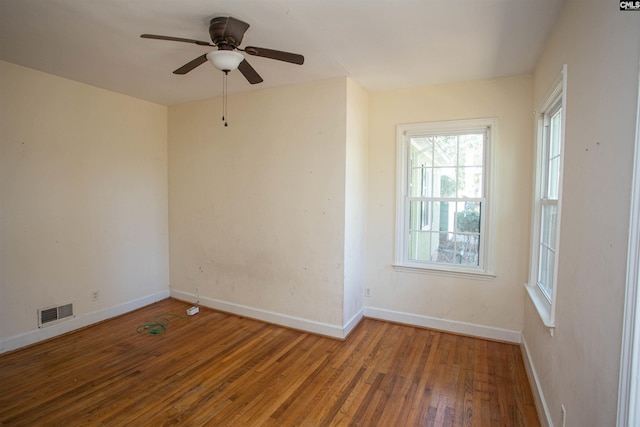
547, 200
443, 197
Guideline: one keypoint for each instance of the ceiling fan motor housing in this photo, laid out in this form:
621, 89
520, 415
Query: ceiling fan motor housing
227, 32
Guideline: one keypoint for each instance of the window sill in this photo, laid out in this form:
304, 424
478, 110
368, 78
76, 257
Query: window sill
542, 306
467, 274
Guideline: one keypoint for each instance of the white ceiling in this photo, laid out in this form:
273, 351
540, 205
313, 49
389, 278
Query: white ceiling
381, 44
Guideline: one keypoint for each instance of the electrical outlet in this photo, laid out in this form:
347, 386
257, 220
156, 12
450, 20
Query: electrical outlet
367, 292
95, 296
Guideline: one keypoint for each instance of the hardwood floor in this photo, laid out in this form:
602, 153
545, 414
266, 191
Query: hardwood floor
222, 370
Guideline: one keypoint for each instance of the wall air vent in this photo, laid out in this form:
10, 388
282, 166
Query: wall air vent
52, 315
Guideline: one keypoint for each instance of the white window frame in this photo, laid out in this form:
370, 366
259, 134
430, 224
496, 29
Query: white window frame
629, 388
556, 98
485, 269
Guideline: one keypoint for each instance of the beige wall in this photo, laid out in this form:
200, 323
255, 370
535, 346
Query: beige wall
257, 208
497, 303
355, 199
83, 198
578, 366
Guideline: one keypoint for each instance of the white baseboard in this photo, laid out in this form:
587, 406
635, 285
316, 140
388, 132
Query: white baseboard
453, 326
18, 341
341, 332
352, 323
541, 403
293, 322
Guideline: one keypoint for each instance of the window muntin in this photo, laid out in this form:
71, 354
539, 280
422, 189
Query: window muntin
443, 204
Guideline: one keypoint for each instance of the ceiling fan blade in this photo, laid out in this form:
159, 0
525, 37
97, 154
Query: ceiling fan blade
191, 65
294, 58
249, 73
175, 39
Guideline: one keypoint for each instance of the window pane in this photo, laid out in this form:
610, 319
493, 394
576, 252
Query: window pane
548, 290
419, 246
435, 245
545, 272
444, 182
420, 163
446, 150
422, 148
443, 215
467, 249
468, 217
420, 182
549, 221
440, 217
554, 133
553, 171
544, 265
470, 150
554, 178
470, 182
445, 251
453, 248
419, 214
418, 159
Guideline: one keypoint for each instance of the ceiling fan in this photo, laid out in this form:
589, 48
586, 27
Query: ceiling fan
226, 34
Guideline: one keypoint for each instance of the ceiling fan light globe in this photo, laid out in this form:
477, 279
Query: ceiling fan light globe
225, 60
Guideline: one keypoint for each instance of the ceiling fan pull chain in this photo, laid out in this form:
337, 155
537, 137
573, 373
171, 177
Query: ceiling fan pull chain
224, 98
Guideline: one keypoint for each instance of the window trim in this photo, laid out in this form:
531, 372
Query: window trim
486, 270
554, 99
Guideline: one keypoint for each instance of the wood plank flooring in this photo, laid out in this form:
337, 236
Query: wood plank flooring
223, 370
